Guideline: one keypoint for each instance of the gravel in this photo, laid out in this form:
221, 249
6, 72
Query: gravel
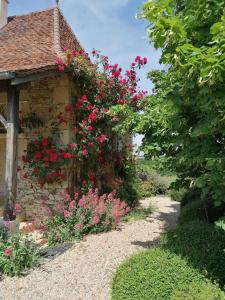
84, 270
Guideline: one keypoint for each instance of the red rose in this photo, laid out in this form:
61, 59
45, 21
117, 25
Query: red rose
53, 157
67, 155
85, 152
37, 155
90, 128
92, 117
45, 142
72, 145
101, 139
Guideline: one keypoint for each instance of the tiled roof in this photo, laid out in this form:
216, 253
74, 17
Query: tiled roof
33, 41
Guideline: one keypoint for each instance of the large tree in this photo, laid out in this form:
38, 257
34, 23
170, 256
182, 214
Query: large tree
184, 121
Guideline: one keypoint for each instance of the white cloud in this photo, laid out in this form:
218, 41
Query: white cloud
110, 26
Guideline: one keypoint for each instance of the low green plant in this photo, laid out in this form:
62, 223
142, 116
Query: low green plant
138, 213
202, 245
158, 275
17, 253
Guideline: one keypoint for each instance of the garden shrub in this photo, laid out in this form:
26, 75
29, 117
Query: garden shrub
158, 275
154, 187
201, 210
17, 253
73, 218
130, 193
177, 194
191, 195
202, 245
197, 291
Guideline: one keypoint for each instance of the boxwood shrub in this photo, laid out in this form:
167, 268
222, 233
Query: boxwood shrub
202, 245
158, 275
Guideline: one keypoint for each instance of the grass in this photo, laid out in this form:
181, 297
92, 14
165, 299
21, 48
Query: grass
139, 213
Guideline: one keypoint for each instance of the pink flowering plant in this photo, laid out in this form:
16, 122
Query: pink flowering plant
17, 252
75, 217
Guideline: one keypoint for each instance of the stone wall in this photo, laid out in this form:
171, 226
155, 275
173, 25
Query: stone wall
45, 98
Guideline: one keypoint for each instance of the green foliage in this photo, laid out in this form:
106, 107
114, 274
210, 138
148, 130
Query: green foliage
183, 121
156, 274
130, 190
189, 196
201, 209
197, 291
177, 195
201, 245
138, 213
156, 183
17, 253
220, 223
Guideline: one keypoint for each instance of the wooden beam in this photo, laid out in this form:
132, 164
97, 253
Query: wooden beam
29, 78
11, 152
3, 120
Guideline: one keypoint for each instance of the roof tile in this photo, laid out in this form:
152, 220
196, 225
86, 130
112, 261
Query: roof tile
33, 41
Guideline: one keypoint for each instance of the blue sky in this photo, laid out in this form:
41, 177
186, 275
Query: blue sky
107, 25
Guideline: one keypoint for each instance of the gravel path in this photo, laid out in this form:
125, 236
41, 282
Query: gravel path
83, 271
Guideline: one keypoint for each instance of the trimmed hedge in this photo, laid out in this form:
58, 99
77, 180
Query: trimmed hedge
204, 210
202, 245
159, 275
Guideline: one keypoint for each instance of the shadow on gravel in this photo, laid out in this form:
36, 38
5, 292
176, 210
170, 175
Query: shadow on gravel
53, 253
147, 244
169, 220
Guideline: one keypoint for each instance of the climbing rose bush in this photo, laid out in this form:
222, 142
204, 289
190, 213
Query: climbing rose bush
101, 86
75, 217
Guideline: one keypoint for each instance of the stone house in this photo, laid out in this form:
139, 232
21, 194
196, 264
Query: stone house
29, 84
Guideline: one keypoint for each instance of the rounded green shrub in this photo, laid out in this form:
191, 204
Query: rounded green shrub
158, 275
197, 291
202, 245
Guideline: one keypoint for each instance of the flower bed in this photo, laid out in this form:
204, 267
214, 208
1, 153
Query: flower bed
73, 218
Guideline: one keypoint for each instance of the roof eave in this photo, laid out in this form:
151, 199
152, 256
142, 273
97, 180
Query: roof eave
7, 75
